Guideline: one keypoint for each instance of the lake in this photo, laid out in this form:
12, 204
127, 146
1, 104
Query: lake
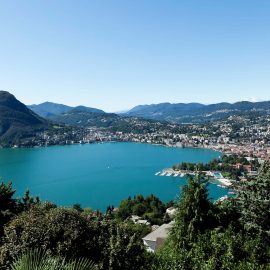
98, 175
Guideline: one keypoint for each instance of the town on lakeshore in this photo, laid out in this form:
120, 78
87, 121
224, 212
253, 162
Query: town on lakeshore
251, 140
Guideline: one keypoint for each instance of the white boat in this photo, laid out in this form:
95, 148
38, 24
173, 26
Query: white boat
169, 174
157, 173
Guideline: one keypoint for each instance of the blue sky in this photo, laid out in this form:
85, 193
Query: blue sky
116, 54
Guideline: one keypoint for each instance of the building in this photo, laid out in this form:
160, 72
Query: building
154, 240
171, 212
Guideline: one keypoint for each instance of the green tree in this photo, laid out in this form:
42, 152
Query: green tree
126, 251
195, 213
195, 216
77, 207
63, 232
254, 204
28, 201
139, 209
7, 204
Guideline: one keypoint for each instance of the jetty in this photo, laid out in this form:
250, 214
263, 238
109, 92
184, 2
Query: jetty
216, 176
171, 173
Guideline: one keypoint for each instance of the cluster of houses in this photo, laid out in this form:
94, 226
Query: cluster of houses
224, 143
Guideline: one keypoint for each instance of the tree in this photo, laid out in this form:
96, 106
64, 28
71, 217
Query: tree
139, 209
254, 204
195, 213
63, 232
77, 207
150, 208
7, 204
195, 216
126, 251
27, 201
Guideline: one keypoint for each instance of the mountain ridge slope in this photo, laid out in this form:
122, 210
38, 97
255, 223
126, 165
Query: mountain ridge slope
196, 112
17, 121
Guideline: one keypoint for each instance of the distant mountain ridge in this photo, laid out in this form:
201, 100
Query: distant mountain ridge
175, 113
110, 121
86, 109
47, 109
196, 112
17, 121
86, 118
50, 109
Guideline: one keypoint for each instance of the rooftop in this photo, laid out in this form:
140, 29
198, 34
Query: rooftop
161, 232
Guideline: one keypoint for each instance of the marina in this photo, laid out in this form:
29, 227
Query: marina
170, 173
214, 177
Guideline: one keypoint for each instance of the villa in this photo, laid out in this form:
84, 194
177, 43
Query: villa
154, 240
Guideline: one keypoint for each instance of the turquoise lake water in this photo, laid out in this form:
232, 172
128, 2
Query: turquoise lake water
98, 175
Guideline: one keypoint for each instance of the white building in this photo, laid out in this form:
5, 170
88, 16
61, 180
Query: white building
171, 211
154, 240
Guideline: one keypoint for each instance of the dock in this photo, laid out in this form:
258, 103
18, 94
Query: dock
217, 177
171, 173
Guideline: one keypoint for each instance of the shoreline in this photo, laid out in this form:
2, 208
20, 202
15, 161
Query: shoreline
113, 141
101, 142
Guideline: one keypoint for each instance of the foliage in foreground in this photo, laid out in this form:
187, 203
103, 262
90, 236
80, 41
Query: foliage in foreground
68, 233
39, 260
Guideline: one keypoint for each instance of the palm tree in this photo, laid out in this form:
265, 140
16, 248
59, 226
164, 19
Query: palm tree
39, 260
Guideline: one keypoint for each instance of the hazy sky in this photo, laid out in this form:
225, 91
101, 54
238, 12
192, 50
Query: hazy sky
115, 54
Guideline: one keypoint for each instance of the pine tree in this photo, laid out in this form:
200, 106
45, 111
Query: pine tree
195, 213
254, 204
7, 204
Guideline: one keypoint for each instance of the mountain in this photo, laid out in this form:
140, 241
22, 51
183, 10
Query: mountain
17, 122
196, 112
47, 109
86, 109
110, 121
86, 118
50, 109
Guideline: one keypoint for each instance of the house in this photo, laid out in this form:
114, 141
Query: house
135, 218
143, 222
154, 240
171, 212
139, 220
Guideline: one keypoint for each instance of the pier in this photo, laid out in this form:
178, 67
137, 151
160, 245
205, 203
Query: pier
216, 177
171, 173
